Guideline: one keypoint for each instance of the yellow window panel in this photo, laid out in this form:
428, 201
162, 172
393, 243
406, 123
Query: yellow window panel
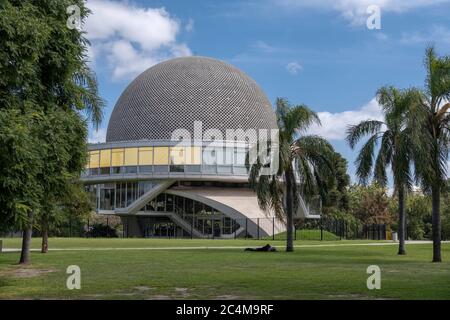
105, 158
194, 155
117, 157
131, 156
177, 155
161, 156
146, 156
94, 159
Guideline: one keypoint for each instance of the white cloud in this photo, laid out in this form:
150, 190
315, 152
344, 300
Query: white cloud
334, 125
97, 136
190, 25
436, 33
356, 10
380, 36
294, 68
132, 38
265, 47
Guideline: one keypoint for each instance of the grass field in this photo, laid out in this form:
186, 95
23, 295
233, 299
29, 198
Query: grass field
307, 235
220, 269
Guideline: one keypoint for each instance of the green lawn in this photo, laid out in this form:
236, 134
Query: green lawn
311, 272
308, 235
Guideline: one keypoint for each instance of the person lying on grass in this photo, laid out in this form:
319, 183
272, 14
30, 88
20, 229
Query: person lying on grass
266, 248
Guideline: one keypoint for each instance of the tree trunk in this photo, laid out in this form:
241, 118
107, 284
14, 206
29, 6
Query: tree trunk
44, 247
26, 240
289, 213
401, 221
436, 220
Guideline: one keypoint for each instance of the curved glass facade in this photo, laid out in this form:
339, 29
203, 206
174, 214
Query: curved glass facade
200, 217
149, 160
109, 196
203, 218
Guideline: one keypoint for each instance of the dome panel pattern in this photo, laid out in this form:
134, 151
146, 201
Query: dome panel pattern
173, 94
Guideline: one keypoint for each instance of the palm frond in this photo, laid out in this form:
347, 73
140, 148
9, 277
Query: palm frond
88, 91
387, 98
431, 136
314, 156
356, 132
430, 58
384, 158
282, 108
364, 161
268, 188
298, 119
438, 78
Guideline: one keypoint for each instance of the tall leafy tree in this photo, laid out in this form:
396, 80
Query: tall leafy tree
44, 85
63, 148
20, 163
433, 137
336, 197
304, 162
72, 206
370, 204
395, 151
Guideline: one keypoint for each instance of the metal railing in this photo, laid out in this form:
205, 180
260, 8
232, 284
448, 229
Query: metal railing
215, 228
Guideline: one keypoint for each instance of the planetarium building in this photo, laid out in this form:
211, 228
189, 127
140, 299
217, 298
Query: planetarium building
168, 166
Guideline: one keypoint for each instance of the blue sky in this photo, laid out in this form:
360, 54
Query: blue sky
320, 53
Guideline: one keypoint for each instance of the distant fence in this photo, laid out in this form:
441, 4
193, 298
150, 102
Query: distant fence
325, 229
337, 229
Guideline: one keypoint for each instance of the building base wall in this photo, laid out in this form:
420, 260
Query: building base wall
131, 227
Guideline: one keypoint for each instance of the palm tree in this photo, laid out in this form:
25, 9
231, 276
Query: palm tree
395, 150
434, 137
303, 162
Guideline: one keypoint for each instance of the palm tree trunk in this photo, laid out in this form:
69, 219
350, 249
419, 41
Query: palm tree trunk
436, 221
401, 221
26, 240
289, 212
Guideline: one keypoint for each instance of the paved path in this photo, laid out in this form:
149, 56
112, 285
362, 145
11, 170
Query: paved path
226, 247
